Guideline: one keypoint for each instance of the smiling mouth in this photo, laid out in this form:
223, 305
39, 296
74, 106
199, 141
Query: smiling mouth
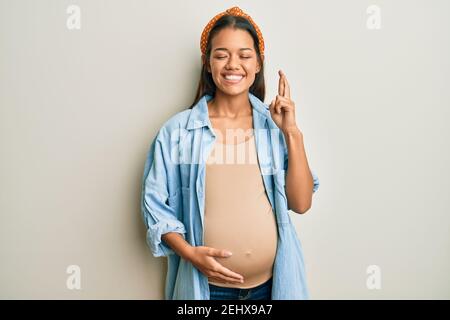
232, 79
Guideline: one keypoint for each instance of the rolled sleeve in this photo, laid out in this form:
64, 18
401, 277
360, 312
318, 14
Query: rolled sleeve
159, 216
154, 233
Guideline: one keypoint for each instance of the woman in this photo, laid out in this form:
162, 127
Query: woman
225, 227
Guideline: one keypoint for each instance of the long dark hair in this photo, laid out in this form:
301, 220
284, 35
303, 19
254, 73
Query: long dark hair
206, 84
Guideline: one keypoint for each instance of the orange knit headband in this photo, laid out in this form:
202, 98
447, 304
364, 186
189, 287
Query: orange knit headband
234, 11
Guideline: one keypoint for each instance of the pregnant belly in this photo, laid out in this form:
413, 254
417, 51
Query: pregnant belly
252, 240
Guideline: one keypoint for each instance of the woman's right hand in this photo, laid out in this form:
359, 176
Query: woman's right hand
203, 258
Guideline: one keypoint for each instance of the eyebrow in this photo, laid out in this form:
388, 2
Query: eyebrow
225, 49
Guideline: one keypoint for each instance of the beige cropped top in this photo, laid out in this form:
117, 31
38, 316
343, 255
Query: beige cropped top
238, 214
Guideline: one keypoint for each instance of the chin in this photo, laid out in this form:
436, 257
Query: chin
234, 91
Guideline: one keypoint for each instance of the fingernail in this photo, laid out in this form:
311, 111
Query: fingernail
228, 253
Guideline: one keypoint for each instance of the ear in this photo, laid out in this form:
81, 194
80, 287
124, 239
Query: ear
258, 68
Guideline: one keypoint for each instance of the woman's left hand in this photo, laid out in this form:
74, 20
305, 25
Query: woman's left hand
282, 108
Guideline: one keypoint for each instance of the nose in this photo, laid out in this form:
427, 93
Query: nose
232, 64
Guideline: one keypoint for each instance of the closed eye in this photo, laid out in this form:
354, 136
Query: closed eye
241, 57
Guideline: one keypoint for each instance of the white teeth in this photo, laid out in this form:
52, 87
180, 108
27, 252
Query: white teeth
233, 77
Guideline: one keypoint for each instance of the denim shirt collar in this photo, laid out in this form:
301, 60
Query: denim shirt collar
199, 116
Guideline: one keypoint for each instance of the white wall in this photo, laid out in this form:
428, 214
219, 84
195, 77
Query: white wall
79, 109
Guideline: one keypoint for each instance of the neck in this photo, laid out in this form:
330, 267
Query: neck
223, 105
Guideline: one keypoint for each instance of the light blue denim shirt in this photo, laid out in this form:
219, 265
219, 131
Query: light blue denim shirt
173, 196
